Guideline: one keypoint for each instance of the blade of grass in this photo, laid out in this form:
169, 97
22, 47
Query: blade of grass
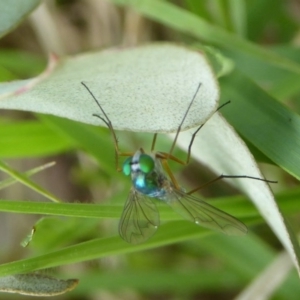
7, 182
103, 247
26, 181
264, 122
235, 205
189, 23
236, 254
30, 139
266, 284
167, 234
237, 11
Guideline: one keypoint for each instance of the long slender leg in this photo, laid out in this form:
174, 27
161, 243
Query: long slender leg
228, 176
180, 125
164, 155
153, 142
195, 133
108, 123
169, 172
169, 155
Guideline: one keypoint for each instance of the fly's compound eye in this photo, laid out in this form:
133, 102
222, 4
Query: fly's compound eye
127, 166
146, 163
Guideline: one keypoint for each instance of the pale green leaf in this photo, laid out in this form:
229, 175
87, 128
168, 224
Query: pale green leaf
143, 89
13, 12
36, 285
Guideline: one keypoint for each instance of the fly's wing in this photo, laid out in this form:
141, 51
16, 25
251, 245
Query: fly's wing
140, 218
203, 214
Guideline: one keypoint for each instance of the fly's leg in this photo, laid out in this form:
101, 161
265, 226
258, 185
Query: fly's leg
196, 132
228, 176
164, 157
183, 119
169, 154
170, 173
153, 142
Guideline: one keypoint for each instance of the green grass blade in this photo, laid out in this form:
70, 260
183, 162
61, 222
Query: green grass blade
26, 181
167, 234
266, 123
30, 139
103, 247
187, 22
7, 182
237, 206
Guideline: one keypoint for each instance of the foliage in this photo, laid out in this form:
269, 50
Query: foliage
181, 260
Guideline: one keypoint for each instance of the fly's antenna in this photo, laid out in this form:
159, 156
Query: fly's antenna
107, 122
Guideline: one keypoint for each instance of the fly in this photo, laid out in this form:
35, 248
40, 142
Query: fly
152, 178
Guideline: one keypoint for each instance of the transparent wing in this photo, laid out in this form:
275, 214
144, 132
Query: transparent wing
203, 214
140, 218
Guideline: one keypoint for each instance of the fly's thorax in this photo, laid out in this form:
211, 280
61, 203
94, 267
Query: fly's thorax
146, 173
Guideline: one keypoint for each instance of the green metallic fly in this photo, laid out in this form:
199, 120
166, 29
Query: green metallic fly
152, 179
